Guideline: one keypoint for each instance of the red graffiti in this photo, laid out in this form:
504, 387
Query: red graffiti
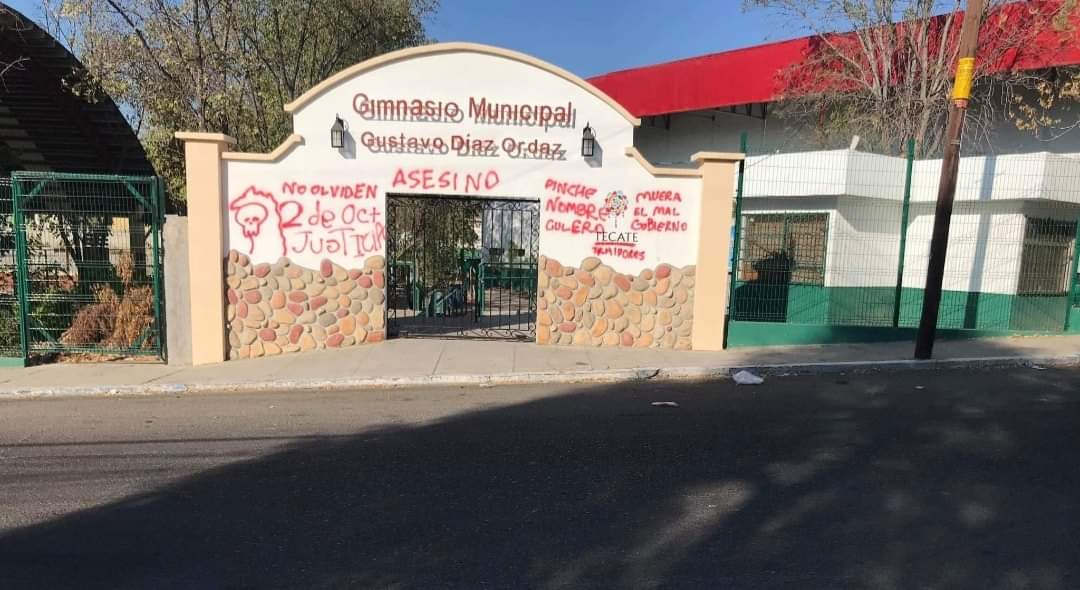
332, 230
623, 251
344, 241
359, 190
349, 230
575, 227
456, 182
651, 196
294, 214
569, 189
658, 211
576, 208
652, 225
253, 209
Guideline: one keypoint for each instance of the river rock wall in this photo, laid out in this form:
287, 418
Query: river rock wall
593, 305
283, 307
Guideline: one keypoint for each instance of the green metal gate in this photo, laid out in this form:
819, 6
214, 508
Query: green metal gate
11, 347
462, 267
87, 262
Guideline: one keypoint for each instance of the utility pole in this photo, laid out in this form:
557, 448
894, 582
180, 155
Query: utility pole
950, 165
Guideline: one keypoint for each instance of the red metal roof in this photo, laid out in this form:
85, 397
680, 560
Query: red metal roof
753, 74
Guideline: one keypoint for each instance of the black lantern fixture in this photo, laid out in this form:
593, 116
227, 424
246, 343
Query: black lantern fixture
588, 142
337, 133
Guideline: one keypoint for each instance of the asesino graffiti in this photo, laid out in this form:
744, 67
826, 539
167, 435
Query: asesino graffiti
310, 218
430, 179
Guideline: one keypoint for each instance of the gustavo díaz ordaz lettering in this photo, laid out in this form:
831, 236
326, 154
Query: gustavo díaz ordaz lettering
480, 111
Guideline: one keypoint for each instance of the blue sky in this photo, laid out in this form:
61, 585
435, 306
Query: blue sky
590, 37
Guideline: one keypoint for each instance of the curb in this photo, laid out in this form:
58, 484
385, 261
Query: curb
653, 374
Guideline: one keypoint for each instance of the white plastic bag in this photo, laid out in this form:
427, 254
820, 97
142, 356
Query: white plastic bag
747, 378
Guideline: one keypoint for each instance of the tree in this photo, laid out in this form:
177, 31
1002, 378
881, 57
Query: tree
883, 69
11, 24
222, 65
1051, 107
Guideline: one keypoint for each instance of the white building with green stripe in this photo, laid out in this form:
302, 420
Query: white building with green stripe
822, 256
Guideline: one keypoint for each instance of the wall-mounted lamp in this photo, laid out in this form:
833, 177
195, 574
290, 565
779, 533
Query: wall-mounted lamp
337, 133
588, 142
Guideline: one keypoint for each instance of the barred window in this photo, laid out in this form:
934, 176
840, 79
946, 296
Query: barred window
784, 248
1046, 262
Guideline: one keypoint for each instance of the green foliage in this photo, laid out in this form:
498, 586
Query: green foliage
9, 327
222, 65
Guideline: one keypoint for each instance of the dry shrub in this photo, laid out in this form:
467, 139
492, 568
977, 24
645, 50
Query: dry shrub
114, 321
125, 269
93, 322
133, 316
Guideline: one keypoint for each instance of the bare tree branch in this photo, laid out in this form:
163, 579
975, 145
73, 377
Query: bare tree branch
886, 75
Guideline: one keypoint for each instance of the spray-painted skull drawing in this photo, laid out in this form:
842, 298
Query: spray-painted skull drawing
251, 216
251, 211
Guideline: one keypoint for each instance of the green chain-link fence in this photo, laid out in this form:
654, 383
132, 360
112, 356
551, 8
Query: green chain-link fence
10, 341
83, 255
833, 245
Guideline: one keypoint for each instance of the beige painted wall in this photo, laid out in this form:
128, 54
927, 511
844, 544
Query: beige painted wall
213, 174
206, 243
714, 243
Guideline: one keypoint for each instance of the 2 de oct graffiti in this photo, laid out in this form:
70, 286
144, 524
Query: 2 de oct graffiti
463, 145
309, 218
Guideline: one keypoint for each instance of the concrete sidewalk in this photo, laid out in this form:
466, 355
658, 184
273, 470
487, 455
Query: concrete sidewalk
403, 363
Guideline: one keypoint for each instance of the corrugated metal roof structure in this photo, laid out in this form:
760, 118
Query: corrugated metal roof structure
43, 125
755, 74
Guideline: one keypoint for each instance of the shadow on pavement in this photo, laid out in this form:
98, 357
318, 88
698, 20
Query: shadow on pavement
810, 482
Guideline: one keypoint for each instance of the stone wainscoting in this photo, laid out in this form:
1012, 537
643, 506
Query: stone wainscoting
593, 305
282, 307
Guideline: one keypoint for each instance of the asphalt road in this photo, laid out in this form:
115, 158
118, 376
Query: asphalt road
914, 480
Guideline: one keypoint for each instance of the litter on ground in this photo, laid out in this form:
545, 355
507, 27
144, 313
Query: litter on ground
747, 378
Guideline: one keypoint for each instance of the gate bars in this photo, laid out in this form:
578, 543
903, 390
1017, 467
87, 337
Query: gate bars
462, 267
83, 255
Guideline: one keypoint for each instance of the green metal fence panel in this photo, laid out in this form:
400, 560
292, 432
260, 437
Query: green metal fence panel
90, 260
736, 230
904, 219
11, 327
832, 245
